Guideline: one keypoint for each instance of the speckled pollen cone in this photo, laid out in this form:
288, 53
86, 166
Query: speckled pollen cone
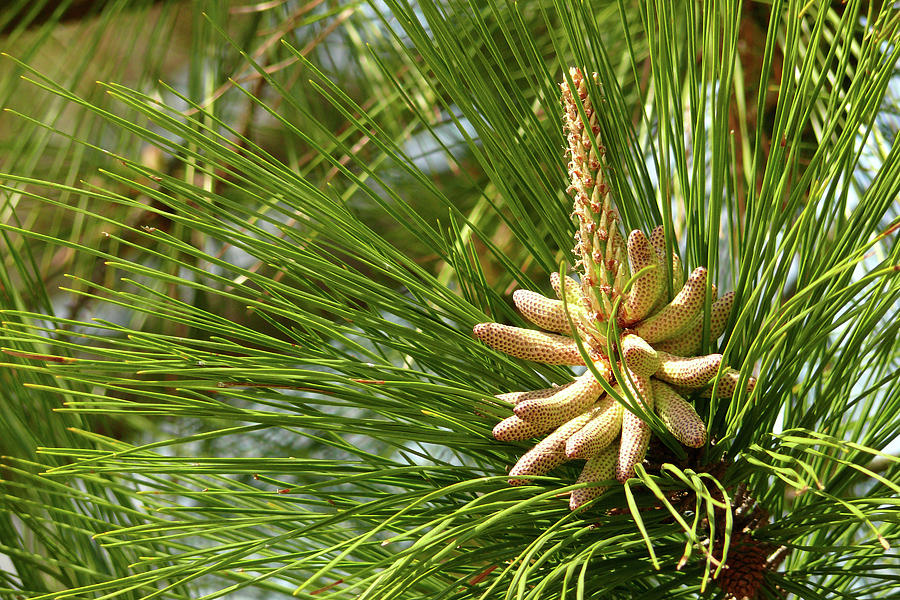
659, 324
600, 467
646, 288
548, 454
633, 447
545, 313
572, 290
679, 416
639, 356
658, 241
563, 405
512, 429
728, 384
586, 421
598, 433
635, 431
547, 348
688, 343
675, 317
693, 372
516, 397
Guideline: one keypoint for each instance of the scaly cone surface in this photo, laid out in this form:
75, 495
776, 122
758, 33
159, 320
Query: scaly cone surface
658, 336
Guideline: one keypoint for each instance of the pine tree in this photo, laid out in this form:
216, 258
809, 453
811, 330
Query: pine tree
259, 377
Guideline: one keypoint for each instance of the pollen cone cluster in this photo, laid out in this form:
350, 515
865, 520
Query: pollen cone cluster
625, 288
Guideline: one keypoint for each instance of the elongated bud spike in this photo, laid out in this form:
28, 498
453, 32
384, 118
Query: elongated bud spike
598, 241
